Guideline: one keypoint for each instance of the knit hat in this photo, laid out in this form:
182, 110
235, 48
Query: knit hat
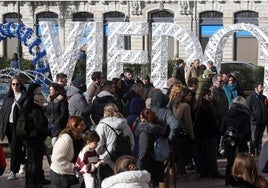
78, 82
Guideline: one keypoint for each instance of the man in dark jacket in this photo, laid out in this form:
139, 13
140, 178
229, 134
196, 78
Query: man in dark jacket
256, 103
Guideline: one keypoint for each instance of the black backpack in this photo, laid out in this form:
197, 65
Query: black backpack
122, 145
231, 137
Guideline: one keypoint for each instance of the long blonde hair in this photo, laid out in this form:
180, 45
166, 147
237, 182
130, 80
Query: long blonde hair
175, 91
244, 167
111, 110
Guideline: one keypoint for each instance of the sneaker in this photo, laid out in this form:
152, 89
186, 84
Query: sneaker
22, 169
11, 176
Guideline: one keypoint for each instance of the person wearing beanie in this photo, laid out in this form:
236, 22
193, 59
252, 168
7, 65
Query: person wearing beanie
77, 102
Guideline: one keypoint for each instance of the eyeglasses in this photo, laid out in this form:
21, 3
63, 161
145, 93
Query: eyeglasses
219, 80
15, 84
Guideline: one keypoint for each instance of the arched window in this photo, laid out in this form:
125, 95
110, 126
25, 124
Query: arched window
160, 16
46, 16
209, 23
114, 16
10, 44
245, 45
83, 17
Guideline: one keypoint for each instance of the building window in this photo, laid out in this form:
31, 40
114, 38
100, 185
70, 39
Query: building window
245, 44
83, 17
113, 17
161, 16
210, 22
10, 44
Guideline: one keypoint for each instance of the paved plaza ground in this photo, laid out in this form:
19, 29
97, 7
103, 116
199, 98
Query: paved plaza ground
195, 182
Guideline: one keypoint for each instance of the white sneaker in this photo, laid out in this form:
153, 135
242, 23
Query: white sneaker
11, 176
22, 169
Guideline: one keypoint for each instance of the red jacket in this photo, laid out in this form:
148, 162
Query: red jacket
3, 162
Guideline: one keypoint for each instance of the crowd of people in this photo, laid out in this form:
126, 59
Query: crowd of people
193, 113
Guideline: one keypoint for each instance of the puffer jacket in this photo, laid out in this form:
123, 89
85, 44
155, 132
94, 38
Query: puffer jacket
108, 137
78, 105
130, 179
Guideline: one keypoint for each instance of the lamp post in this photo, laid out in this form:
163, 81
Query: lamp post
19, 49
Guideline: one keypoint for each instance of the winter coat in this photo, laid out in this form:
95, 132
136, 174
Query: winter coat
103, 98
128, 179
183, 114
57, 112
159, 102
37, 124
263, 160
192, 72
256, 104
238, 116
219, 102
203, 83
62, 155
240, 183
136, 105
6, 110
92, 91
147, 135
179, 74
108, 137
3, 162
78, 105
206, 124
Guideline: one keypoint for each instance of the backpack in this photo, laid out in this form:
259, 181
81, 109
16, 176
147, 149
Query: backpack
21, 123
231, 137
122, 144
161, 148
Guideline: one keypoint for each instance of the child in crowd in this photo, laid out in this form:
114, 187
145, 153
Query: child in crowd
88, 159
3, 162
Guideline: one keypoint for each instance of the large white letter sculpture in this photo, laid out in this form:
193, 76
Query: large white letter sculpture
160, 33
62, 61
214, 48
116, 53
94, 49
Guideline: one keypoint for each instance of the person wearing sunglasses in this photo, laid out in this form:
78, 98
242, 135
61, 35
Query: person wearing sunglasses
9, 115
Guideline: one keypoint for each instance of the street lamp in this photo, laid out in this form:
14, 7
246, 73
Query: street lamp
19, 49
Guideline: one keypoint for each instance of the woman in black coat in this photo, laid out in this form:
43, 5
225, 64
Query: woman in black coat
149, 129
37, 131
57, 111
238, 117
205, 130
9, 115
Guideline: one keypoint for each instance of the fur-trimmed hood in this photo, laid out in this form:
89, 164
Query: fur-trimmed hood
54, 99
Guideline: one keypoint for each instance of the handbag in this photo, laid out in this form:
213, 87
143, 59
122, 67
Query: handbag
21, 123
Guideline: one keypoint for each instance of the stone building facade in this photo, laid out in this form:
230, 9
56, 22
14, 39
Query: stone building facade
202, 17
